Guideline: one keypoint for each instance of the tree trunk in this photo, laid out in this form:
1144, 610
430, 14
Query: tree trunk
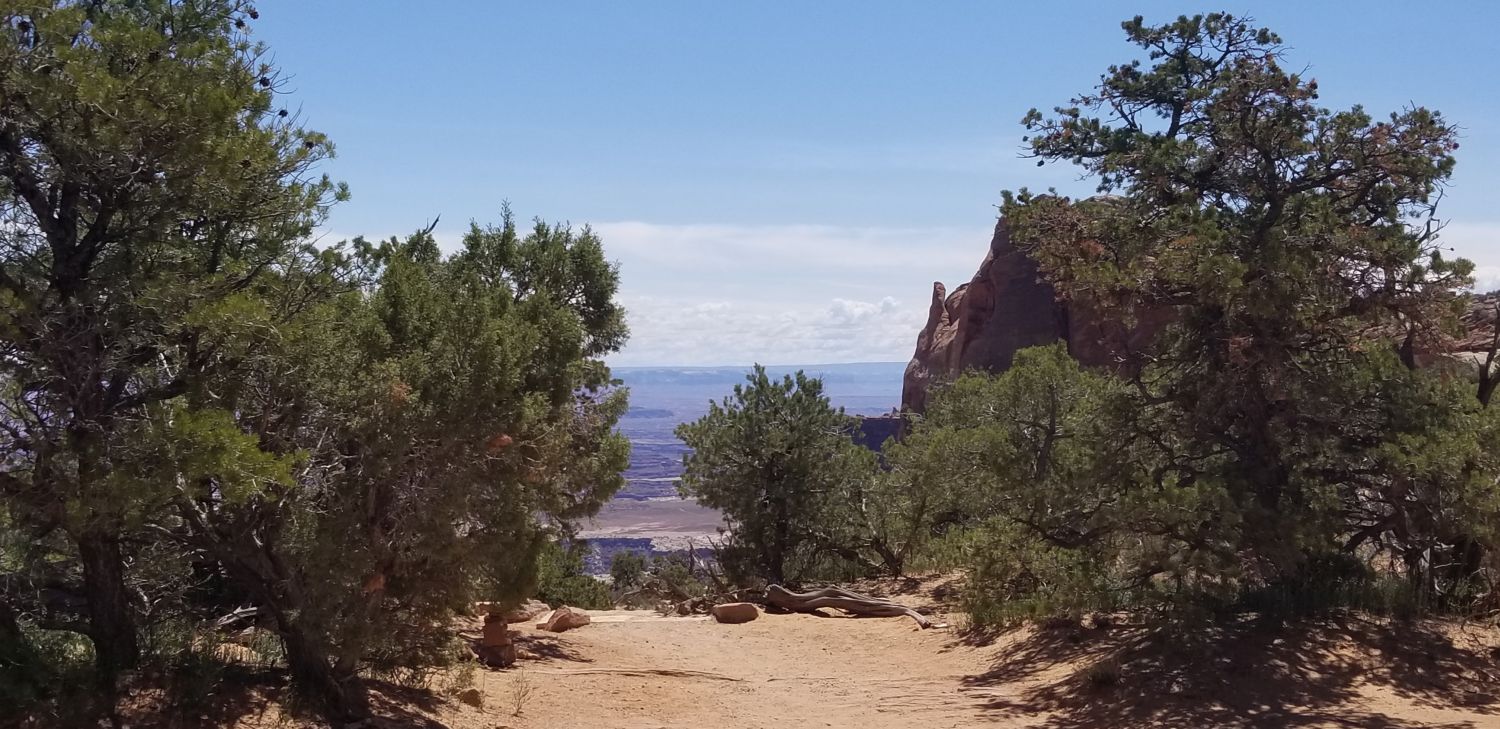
849, 602
252, 563
776, 555
1488, 377
111, 626
342, 698
894, 562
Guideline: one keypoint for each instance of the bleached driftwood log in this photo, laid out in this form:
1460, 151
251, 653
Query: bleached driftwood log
849, 602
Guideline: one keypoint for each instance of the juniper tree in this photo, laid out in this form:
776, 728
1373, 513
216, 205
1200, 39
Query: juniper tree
779, 461
356, 437
404, 449
146, 177
1296, 250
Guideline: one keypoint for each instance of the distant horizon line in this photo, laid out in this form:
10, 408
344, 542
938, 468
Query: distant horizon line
727, 366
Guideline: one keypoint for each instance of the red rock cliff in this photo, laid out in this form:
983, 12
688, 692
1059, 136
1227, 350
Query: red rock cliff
1005, 308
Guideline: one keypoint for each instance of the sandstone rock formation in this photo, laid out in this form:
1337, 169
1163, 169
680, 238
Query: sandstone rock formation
564, 618
735, 612
1481, 324
1005, 308
526, 611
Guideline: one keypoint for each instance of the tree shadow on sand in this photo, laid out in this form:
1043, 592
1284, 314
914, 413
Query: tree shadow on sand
534, 648
257, 697
404, 706
1249, 673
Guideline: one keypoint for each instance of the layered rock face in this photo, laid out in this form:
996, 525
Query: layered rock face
1005, 308
1008, 307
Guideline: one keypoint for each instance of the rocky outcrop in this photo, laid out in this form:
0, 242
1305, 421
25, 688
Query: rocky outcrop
1479, 324
1008, 307
1005, 308
526, 611
517, 614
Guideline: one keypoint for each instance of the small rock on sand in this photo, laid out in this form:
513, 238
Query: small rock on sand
526, 611
564, 618
735, 612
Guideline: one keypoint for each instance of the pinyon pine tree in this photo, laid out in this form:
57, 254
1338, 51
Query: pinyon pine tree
1296, 251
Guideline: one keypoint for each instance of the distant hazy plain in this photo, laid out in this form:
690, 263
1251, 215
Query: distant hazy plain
649, 508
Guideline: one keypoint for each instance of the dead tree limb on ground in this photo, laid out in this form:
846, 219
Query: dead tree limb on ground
849, 602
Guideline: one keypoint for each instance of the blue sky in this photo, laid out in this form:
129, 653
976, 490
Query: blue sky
783, 181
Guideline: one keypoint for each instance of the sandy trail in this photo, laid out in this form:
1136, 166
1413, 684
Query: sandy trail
779, 671
636, 670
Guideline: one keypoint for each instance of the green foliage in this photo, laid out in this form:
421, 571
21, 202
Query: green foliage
665, 582
677, 575
561, 579
627, 570
778, 460
1287, 256
480, 407
205, 410
1036, 491
1053, 493
56, 665
152, 188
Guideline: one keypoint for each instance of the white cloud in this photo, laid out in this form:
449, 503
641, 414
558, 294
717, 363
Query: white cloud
720, 294
787, 250
1480, 243
682, 332
843, 312
724, 294
781, 294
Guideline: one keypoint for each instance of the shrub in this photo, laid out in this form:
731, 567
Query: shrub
561, 579
626, 570
779, 461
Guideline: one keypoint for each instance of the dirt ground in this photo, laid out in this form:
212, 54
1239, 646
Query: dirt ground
634, 670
